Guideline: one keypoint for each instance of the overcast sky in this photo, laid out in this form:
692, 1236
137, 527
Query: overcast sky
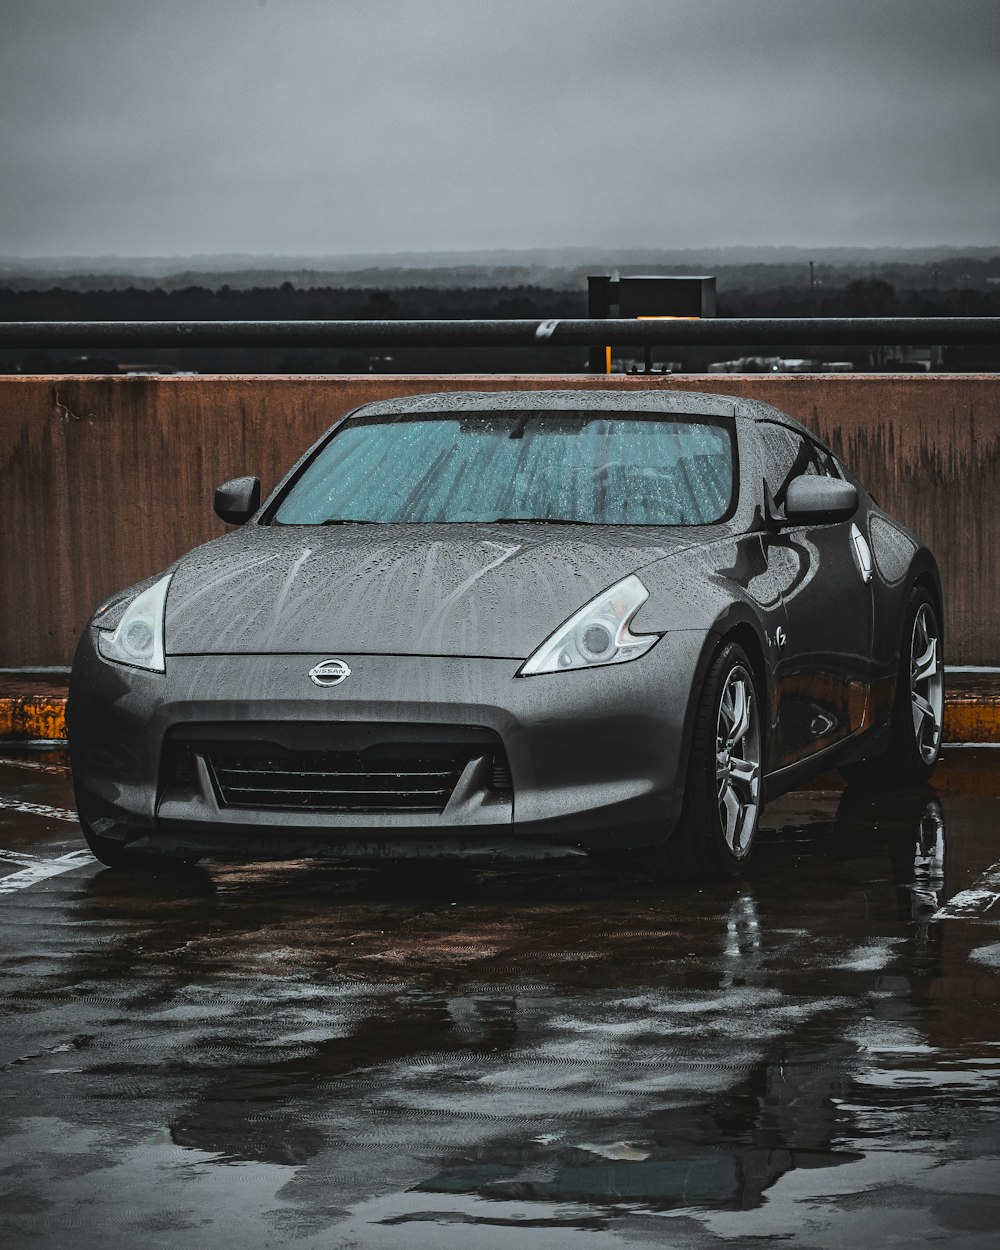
168, 127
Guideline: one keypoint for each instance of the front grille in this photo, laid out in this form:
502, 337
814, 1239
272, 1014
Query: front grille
388, 778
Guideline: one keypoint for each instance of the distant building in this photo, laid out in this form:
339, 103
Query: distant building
631, 364
779, 364
914, 359
646, 297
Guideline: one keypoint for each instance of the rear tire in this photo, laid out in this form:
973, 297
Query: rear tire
723, 789
918, 709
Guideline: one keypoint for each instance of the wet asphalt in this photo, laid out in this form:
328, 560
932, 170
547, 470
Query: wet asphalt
303, 1055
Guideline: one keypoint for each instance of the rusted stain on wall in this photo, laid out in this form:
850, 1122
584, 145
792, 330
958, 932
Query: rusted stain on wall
108, 479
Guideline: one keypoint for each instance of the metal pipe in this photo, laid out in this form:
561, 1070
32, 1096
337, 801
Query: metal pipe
560, 332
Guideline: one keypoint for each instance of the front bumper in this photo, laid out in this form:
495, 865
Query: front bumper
596, 756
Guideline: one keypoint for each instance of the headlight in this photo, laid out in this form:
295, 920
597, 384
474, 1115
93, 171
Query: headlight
598, 634
138, 639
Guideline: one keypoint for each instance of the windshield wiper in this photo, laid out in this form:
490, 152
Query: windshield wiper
492, 520
535, 520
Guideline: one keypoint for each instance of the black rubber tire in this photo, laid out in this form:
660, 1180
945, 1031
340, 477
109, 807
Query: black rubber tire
697, 850
114, 855
901, 764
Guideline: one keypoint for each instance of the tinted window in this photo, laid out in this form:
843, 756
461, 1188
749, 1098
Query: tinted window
787, 455
602, 468
826, 460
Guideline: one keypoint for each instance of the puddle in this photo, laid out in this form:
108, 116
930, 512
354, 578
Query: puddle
365, 1058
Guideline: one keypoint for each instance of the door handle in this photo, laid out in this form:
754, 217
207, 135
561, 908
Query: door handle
864, 555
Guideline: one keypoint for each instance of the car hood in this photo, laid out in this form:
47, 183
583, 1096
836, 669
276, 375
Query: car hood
443, 590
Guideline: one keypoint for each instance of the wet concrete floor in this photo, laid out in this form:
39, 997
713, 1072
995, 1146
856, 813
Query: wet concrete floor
301, 1055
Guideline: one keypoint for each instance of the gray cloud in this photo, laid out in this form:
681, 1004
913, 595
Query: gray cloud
334, 126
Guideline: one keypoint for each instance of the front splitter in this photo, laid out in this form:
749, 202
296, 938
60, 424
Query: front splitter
488, 850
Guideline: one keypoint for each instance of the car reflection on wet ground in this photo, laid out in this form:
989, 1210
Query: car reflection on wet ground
300, 1054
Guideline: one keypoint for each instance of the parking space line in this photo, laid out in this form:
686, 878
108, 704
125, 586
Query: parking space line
18, 857
34, 766
37, 809
975, 902
41, 871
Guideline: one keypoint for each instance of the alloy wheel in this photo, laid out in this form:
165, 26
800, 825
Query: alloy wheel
926, 683
737, 761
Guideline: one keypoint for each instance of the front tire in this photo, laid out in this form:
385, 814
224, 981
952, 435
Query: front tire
918, 710
723, 790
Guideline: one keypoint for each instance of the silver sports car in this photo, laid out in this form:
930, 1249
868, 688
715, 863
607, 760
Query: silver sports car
531, 624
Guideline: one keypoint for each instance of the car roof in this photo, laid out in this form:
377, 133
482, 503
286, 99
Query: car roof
693, 402
757, 410
697, 403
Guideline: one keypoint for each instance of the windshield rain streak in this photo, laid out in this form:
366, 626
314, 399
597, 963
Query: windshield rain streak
574, 467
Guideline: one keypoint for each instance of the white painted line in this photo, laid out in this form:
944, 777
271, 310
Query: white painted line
8, 762
36, 670
40, 872
972, 668
38, 809
43, 744
18, 857
973, 903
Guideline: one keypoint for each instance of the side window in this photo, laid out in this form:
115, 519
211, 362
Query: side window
826, 461
846, 473
786, 455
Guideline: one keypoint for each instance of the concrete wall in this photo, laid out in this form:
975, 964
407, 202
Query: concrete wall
106, 480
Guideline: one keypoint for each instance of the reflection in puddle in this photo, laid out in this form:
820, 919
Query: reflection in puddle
570, 1051
928, 869
743, 943
672, 1095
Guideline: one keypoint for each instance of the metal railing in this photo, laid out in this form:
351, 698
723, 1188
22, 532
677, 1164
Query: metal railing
558, 332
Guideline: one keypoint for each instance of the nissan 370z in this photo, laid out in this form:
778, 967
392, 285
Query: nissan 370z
533, 624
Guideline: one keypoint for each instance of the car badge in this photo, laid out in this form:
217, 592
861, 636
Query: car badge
329, 673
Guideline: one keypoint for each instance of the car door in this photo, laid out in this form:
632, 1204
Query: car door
823, 666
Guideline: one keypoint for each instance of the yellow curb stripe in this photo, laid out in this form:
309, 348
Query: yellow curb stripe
969, 720
32, 716
44, 717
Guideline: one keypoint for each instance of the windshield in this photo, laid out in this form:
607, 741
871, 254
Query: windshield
597, 468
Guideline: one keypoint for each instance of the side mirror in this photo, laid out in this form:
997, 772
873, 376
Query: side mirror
237, 500
819, 499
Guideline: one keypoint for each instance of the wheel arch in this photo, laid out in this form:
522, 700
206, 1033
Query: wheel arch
684, 854
928, 579
747, 635
923, 574
744, 634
